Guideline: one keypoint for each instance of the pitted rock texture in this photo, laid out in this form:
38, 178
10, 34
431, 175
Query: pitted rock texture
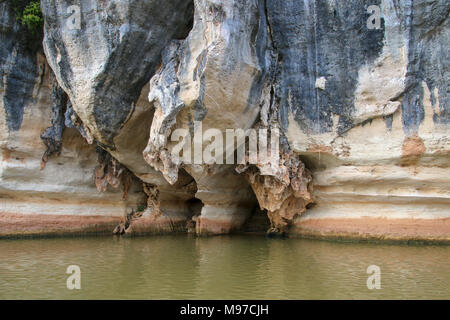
19, 69
104, 65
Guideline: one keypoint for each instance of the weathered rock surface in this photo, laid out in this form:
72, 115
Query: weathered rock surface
363, 112
92, 61
376, 135
58, 197
284, 193
211, 77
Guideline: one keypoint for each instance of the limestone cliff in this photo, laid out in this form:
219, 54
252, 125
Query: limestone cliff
357, 99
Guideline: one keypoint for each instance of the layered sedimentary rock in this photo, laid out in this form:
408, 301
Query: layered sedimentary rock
368, 111
358, 91
47, 170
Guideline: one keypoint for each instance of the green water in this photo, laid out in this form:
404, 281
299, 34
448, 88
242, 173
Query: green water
225, 267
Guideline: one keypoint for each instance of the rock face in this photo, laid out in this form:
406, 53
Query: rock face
88, 59
57, 196
375, 134
285, 193
355, 92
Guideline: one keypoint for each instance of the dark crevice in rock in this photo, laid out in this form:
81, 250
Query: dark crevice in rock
52, 136
152, 192
133, 38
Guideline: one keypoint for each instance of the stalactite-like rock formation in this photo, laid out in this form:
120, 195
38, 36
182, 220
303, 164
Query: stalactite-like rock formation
361, 103
284, 193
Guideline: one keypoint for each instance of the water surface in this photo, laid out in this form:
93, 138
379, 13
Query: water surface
223, 267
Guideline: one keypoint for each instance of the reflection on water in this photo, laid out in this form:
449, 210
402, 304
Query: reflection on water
226, 267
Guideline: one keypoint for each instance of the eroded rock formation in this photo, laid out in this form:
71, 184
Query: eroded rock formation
363, 113
60, 197
284, 193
